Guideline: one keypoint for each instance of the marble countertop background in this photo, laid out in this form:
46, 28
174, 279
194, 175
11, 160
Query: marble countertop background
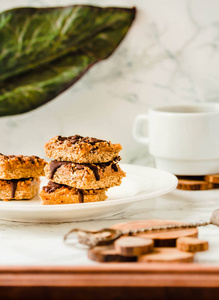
42, 244
169, 56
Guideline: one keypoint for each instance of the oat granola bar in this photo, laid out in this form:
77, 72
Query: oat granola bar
55, 193
20, 166
17, 189
80, 149
85, 176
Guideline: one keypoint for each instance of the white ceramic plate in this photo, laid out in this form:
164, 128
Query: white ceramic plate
141, 183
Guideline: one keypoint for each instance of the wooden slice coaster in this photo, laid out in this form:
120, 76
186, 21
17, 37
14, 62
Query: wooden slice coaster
215, 217
194, 185
189, 244
133, 246
107, 254
164, 238
167, 255
214, 178
190, 177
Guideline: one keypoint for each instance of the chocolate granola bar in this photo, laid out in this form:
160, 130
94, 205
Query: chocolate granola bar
85, 176
17, 189
80, 149
20, 166
55, 193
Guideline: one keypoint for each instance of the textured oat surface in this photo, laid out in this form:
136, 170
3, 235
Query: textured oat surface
20, 166
86, 177
80, 149
23, 188
61, 194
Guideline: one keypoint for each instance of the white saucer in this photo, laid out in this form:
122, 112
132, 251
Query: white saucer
141, 183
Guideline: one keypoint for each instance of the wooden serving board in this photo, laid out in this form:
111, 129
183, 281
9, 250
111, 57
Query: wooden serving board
110, 281
164, 238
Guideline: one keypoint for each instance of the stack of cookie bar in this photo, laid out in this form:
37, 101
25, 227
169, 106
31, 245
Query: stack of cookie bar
19, 176
82, 170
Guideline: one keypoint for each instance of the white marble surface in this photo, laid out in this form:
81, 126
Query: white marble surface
42, 244
169, 56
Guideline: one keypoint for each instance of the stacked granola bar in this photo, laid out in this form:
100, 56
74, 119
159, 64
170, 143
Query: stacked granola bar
19, 176
82, 170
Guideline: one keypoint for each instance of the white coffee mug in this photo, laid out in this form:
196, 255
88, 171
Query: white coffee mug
184, 139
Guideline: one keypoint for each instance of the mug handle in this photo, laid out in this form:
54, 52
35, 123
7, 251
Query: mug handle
137, 129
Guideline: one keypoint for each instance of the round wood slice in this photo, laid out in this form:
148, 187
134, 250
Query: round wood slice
215, 217
133, 246
164, 238
214, 178
189, 244
107, 254
194, 185
167, 255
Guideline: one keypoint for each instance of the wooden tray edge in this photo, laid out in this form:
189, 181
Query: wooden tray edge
111, 275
